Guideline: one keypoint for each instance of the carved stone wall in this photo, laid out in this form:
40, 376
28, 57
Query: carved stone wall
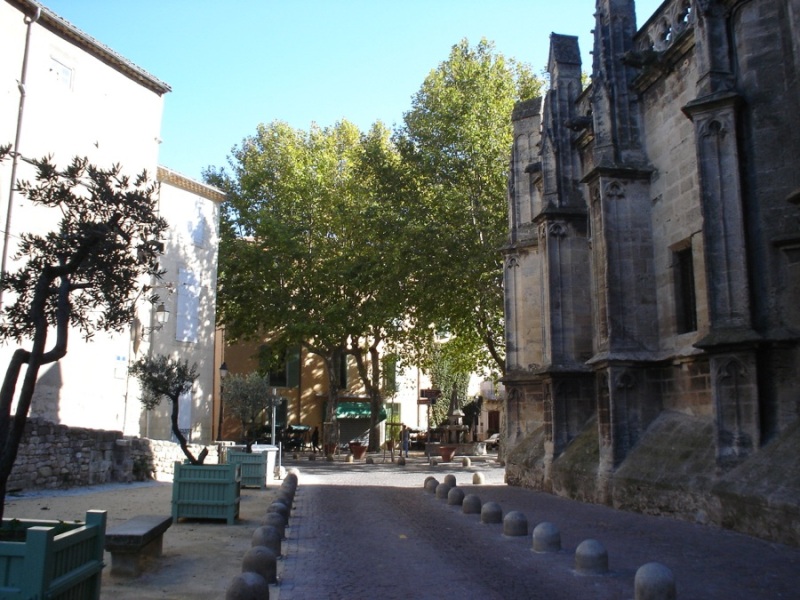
653, 265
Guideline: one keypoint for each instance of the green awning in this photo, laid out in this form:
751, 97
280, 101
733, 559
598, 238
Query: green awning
357, 410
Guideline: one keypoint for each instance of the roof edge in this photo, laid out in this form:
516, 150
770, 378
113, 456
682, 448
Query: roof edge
63, 28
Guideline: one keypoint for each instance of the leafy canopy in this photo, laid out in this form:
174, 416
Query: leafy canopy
455, 143
163, 376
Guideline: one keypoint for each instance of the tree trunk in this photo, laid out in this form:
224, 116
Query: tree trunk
179, 435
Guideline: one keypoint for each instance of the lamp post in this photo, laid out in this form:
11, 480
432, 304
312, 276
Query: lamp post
274, 400
223, 373
162, 317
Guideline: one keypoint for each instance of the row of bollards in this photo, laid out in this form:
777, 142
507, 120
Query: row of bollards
259, 565
653, 581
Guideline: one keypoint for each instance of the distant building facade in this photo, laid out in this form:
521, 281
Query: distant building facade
653, 265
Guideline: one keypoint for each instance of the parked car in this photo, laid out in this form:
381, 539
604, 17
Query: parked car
493, 441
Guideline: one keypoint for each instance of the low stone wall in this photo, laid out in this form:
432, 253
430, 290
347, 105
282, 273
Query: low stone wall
672, 471
55, 456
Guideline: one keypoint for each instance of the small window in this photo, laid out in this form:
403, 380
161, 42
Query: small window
282, 369
61, 73
685, 300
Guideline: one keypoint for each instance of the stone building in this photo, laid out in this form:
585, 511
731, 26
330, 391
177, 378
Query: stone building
653, 267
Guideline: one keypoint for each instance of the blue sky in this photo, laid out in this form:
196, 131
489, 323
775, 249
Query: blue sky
233, 64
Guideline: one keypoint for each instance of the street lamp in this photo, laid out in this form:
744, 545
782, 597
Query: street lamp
274, 400
223, 373
162, 316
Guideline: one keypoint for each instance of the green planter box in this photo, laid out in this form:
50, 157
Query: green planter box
254, 467
56, 559
206, 492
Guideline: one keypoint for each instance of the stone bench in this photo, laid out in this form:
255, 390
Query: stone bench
134, 540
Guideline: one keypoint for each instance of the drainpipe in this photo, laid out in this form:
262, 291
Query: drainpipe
29, 21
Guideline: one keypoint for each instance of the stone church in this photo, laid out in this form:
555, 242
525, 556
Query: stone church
652, 269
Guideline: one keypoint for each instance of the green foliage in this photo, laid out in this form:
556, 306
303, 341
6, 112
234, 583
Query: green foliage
163, 376
446, 369
245, 397
309, 253
108, 235
455, 144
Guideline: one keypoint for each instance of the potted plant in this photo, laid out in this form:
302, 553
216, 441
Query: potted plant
199, 491
45, 559
246, 397
358, 450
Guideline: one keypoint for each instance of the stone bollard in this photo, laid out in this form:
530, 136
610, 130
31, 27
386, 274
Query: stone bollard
442, 490
466, 462
434, 462
654, 581
471, 505
450, 480
491, 513
455, 497
247, 586
370, 460
294, 473
349, 458
295, 456
515, 524
431, 483
546, 538
286, 496
591, 558
261, 560
478, 479
279, 507
277, 521
267, 536
312, 456
401, 461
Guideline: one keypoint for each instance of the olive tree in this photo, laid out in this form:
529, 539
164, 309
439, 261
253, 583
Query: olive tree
163, 376
84, 275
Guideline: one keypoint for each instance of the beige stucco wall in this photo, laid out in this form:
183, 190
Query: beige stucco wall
188, 291
110, 112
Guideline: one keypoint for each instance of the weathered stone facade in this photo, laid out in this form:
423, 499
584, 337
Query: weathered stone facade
653, 267
56, 456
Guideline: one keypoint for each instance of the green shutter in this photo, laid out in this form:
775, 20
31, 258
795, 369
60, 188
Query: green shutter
293, 368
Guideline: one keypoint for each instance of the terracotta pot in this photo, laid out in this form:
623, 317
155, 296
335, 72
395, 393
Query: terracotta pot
447, 453
358, 451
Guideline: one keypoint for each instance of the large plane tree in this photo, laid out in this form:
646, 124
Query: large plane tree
309, 251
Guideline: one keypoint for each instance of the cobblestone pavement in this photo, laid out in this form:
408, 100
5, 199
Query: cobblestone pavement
371, 531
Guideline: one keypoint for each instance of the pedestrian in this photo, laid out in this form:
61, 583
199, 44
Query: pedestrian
315, 440
404, 435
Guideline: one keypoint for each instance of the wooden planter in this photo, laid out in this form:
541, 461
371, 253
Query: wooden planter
56, 560
206, 492
358, 451
254, 467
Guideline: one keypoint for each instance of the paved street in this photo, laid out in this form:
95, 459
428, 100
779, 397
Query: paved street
371, 531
